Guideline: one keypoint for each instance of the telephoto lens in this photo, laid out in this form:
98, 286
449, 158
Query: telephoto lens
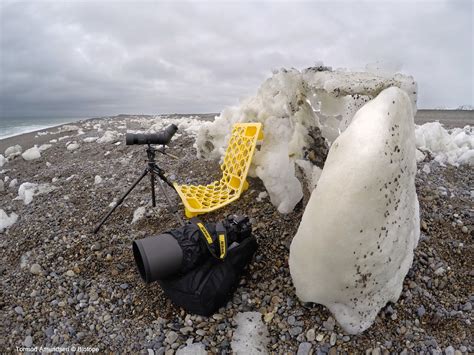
181, 250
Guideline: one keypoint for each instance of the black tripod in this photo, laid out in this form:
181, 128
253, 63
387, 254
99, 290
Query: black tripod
155, 171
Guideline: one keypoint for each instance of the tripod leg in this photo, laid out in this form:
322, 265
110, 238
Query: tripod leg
173, 208
119, 202
153, 198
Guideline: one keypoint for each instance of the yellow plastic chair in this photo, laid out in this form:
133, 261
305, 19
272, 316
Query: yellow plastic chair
238, 156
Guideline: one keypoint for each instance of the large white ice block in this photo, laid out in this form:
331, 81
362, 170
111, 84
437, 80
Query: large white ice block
302, 112
355, 242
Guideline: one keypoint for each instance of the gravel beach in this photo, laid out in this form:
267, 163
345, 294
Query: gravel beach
64, 286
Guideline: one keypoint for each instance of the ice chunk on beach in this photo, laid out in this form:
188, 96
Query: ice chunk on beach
251, 336
13, 183
90, 139
28, 190
109, 137
72, 146
3, 160
138, 214
32, 153
355, 242
192, 349
13, 151
6, 221
44, 147
97, 180
302, 114
455, 146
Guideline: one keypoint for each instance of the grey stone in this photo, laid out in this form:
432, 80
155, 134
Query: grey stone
310, 335
295, 331
19, 310
304, 349
28, 342
124, 286
96, 246
467, 306
291, 320
329, 324
171, 337
449, 350
421, 311
332, 339
36, 269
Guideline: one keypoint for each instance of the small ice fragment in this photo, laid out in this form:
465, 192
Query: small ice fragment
109, 137
138, 214
261, 196
13, 151
426, 169
251, 336
31, 154
3, 160
90, 139
53, 141
73, 146
43, 147
13, 183
5, 220
97, 180
193, 349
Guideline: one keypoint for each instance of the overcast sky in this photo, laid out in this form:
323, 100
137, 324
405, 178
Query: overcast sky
89, 58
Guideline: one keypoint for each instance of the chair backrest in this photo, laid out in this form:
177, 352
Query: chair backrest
239, 153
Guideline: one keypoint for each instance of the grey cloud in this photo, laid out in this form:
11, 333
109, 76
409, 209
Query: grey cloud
96, 58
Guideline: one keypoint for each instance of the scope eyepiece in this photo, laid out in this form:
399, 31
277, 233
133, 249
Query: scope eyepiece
163, 137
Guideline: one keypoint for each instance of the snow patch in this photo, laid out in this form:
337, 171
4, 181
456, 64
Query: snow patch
251, 336
355, 242
6, 221
3, 160
31, 154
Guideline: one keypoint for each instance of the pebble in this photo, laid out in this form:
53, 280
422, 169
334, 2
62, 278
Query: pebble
96, 246
464, 229
449, 350
329, 324
171, 337
36, 269
320, 337
70, 273
28, 342
310, 335
467, 306
421, 311
304, 349
291, 320
19, 310
124, 286
332, 339
295, 331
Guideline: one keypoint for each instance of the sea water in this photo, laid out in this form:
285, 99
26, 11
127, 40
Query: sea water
18, 125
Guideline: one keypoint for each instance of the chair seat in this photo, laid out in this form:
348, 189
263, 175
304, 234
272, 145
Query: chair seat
199, 199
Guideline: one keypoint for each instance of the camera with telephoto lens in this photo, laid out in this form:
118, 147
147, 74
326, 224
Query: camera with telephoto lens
180, 250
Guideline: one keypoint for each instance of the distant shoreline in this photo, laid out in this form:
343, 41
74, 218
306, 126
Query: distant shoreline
449, 118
